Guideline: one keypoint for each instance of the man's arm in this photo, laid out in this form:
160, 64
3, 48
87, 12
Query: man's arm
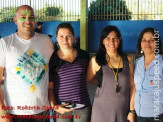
3, 112
1, 94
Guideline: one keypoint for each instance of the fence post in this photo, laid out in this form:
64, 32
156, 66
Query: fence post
84, 25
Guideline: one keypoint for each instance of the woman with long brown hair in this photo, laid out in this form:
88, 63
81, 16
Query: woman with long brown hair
112, 72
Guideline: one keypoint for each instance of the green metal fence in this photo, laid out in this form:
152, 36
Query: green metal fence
45, 10
125, 10
69, 10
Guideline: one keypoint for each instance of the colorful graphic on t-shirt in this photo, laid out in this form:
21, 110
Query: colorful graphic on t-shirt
31, 68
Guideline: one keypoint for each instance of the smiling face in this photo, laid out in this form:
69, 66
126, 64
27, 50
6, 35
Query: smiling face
25, 21
147, 43
111, 42
65, 38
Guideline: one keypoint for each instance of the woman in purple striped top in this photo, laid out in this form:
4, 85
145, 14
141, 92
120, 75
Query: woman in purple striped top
68, 93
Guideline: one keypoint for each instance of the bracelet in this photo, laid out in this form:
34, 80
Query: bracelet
133, 111
4, 112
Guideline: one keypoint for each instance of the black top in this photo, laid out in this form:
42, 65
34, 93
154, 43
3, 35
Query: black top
99, 73
55, 62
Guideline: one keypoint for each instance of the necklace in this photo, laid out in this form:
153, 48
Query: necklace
115, 73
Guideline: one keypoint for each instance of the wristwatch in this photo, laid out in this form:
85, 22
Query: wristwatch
132, 111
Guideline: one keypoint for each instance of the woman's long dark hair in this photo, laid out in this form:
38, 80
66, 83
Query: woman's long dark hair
100, 55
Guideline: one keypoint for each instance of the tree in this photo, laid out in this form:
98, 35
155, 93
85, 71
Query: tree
7, 14
49, 13
53, 11
109, 10
44, 14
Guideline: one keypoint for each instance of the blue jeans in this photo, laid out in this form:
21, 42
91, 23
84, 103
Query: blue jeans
82, 115
150, 119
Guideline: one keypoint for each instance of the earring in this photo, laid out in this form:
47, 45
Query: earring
141, 51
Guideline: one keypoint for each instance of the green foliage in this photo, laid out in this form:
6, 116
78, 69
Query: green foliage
52, 11
44, 14
109, 10
7, 14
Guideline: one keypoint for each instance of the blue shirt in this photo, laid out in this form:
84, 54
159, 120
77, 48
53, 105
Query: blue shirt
149, 87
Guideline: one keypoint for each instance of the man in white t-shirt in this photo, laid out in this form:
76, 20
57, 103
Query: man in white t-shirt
24, 58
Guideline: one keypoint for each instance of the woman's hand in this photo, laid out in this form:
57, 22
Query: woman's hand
61, 109
131, 117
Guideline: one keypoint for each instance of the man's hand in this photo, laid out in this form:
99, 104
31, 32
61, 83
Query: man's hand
5, 117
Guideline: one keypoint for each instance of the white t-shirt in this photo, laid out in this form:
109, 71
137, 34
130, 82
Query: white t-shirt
26, 73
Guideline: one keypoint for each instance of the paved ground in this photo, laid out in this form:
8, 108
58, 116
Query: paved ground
91, 90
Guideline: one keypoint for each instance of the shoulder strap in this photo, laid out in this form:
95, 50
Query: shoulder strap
125, 60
